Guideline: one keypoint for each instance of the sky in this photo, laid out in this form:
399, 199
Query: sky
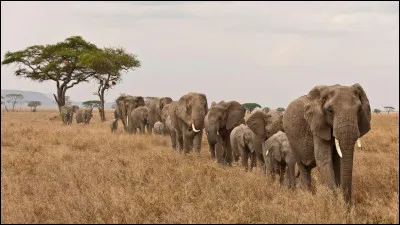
265, 52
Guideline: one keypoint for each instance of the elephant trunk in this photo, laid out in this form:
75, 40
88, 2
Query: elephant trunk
345, 139
213, 132
197, 122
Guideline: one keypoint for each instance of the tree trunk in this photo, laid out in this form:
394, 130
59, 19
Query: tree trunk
102, 112
60, 98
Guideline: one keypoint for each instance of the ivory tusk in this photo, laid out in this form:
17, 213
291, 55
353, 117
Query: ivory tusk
194, 128
217, 133
359, 143
338, 147
267, 152
127, 120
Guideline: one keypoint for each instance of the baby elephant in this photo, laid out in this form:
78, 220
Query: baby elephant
243, 145
138, 119
159, 128
114, 125
277, 155
84, 115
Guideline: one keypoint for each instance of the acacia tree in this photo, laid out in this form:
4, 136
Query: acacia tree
107, 65
280, 109
389, 109
14, 99
60, 62
34, 105
377, 111
3, 103
251, 106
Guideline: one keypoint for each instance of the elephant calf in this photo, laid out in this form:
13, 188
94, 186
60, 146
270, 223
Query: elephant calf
278, 155
159, 128
114, 125
242, 144
84, 115
138, 119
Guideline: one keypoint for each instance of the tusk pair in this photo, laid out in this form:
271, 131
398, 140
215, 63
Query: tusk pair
339, 151
194, 128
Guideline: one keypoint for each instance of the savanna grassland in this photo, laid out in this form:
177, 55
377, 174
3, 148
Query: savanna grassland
53, 173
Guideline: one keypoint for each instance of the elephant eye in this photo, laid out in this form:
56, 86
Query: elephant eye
329, 109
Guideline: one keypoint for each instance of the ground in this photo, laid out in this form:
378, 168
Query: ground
53, 173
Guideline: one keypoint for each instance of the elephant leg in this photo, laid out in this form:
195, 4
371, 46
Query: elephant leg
180, 141
323, 158
260, 158
253, 159
245, 157
197, 142
282, 170
290, 178
212, 150
173, 139
149, 128
228, 150
336, 166
220, 151
305, 175
142, 128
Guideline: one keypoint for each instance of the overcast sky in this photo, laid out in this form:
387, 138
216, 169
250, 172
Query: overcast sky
264, 52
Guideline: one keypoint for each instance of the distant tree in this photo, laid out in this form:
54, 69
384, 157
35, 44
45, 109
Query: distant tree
91, 104
266, 109
14, 99
113, 106
60, 62
33, 105
67, 101
250, 106
107, 65
389, 109
377, 111
3, 103
280, 109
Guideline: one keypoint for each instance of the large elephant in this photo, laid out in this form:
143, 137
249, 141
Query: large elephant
138, 119
242, 145
322, 128
67, 112
124, 106
278, 155
155, 106
221, 120
84, 115
187, 116
264, 125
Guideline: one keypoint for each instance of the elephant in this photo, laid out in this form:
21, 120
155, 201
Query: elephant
114, 125
166, 120
264, 125
155, 106
322, 128
221, 119
242, 145
67, 112
187, 117
138, 119
159, 128
84, 115
278, 155
124, 106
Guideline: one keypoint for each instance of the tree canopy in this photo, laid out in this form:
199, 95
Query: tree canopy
280, 109
389, 109
60, 62
91, 104
34, 105
377, 111
250, 106
14, 99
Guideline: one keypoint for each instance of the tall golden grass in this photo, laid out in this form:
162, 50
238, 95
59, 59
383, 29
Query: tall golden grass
53, 173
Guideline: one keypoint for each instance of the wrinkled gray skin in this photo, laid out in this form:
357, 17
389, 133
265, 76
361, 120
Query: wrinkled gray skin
221, 120
159, 128
124, 106
67, 112
114, 125
166, 120
264, 125
277, 156
84, 115
188, 113
242, 145
313, 122
155, 106
138, 119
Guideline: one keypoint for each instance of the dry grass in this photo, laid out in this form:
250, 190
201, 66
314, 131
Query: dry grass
52, 173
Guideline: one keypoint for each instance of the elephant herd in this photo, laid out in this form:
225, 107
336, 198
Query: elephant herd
318, 129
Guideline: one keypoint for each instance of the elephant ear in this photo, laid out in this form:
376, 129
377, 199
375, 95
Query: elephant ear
183, 106
313, 113
235, 114
257, 122
364, 115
